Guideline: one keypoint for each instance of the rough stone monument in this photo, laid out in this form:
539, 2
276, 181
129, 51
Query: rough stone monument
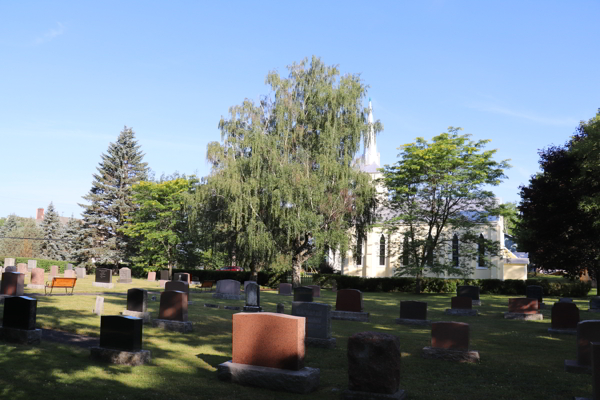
121, 341
172, 313
318, 323
413, 313
450, 341
18, 324
137, 304
349, 306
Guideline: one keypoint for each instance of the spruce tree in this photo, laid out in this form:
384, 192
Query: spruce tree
53, 231
71, 240
110, 201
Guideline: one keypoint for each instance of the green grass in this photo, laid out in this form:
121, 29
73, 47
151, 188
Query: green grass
519, 360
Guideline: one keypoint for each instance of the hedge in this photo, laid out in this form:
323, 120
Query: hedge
264, 278
440, 285
43, 263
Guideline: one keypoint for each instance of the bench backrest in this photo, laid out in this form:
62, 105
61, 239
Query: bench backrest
207, 284
70, 282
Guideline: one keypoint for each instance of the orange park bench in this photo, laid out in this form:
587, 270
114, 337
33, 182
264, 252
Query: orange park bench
58, 282
207, 285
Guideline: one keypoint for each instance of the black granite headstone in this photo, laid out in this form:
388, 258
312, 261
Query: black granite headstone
137, 300
535, 292
413, 310
19, 312
103, 275
120, 332
303, 293
252, 295
469, 291
595, 303
164, 275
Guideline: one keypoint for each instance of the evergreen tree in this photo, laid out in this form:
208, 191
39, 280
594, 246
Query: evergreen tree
111, 200
53, 231
71, 240
8, 246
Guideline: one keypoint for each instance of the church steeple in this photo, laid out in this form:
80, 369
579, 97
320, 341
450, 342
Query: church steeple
371, 155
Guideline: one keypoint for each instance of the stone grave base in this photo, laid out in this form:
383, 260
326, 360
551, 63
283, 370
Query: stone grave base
562, 331
30, 286
176, 326
227, 296
138, 314
208, 305
236, 308
122, 357
318, 342
23, 336
407, 321
476, 302
350, 316
125, 281
575, 368
470, 356
461, 312
303, 381
104, 285
356, 395
162, 282
252, 309
523, 316
284, 294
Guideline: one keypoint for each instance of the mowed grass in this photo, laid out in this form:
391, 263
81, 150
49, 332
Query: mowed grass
519, 360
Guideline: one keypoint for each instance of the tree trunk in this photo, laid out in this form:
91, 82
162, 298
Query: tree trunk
170, 271
296, 268
418, 284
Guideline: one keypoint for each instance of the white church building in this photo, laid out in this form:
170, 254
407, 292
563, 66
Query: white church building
377, 258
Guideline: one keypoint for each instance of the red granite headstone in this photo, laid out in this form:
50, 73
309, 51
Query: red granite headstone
461, 303
13, 283
450, 335
173, 306
587, 332
268, 340
37, 276
523, 305
349, 300
316, 290
285, 288
152, 276
565, 316
22, 268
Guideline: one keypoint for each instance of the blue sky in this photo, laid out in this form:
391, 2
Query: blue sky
72, 74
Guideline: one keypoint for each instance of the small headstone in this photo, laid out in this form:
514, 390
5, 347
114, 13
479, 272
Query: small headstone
180, 286
252, 292
99, 309
19, 312
103, 275
349, 300
121, 332
468, 291
37, 276
173, 306
183, 276
318, 318
53, 271
137, 300
69, 273
280, 308
523, 305
565, 316
210, 305
9, 262
595, 303
125, 275
285, 289
80, 273
303, 294
413, 310
535, 292
13, 284
152, 276
31, 264
316, 290
69, 267
450, 335
164, 275
334, 286
565, 300
374, 364
22, 268
461, 302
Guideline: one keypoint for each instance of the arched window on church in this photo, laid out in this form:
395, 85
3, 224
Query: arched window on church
359, 251
481, 251
382, 250
455, 250
405, 251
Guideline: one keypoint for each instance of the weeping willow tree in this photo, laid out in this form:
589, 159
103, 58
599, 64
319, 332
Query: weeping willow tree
282, 176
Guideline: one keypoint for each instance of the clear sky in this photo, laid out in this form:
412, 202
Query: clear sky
72, 74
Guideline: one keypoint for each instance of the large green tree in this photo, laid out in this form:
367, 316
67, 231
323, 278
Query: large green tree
53, 231
439, 202
110, 201
284, 169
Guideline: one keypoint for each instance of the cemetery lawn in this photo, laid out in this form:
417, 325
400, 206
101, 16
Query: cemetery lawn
519, 359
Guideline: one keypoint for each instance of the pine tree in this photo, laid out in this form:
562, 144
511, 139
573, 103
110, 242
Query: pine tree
110, 201
71, 240
7, 246
53, 231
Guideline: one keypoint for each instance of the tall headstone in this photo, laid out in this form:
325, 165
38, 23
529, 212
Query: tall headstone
252, 292
125, 275
121, 341
587, 332
303, 293
9, 262
565, 317
469, 291
181, 286
13, 284
246, 283
103, 278
22, 268
535, 292
80, 272
285, 289
450, 341
37, 279
152, 276
53, 271
31, 264
373, 366
99, 309
318, 323
18, 324
137, 304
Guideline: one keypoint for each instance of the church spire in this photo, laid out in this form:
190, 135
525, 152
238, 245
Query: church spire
371, 156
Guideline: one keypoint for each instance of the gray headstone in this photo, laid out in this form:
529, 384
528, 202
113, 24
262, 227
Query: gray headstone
125, 275
9, 262
31, 264
318, 318
280, 308
252, 291
99, 305
247, 282
469, 291
80, 272
228, 286
164, 275
69, 266
69, 273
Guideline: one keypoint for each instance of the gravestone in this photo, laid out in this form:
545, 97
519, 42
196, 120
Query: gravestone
18, 324
9, 262
413, 313
318, 323
125, 275
183, 276
152, 276
22, 268
461, 305
69, 273
69, 266
596, 369
137, 300
523, 309
374, 361
31, 264
349, 306
334, 286
121, 341
565, 317
252, 292
37, 279
450, 341
303, 293
280, 308
13, 284
173, 312
316, 290
99, 309
535, 292
10, 269
164, 274
587, 332
246, 283
80, 273
469, 291
53, 271
285, 289
228, 289
180, 286
595, 304
103, 278
283, 336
